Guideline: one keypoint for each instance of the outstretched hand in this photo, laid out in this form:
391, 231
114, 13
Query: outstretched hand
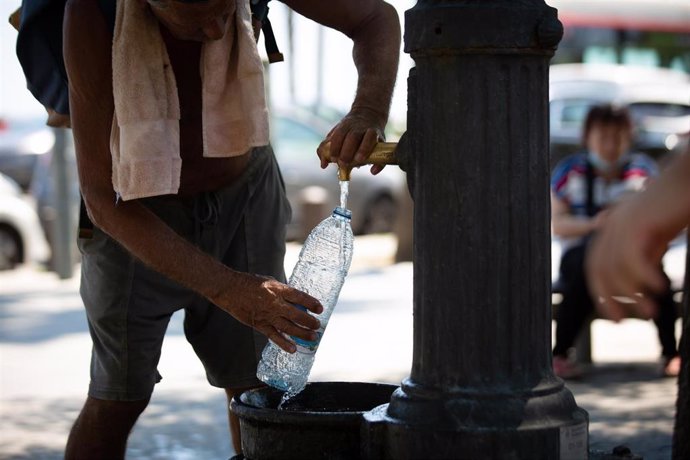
624, 259
269, 307
354, 138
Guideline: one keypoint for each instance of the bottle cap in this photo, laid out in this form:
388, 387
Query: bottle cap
343, 212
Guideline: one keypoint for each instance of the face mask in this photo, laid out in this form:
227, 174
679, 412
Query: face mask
603, 165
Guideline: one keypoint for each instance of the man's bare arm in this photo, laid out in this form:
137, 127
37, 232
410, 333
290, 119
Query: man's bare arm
257, 301
374, 28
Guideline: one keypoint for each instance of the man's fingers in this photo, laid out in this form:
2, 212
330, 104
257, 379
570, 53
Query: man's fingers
367, 145
322, 159
302, 298
294, 314
651, 279
645, 307
609, 308
280, 340
350, 145
336, 138
290, 328
375, 169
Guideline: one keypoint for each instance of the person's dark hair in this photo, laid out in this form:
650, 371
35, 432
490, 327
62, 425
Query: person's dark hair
606, 114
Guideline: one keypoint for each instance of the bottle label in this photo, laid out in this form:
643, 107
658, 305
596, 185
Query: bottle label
307, 347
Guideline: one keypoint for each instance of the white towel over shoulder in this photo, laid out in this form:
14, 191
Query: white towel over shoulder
145, 137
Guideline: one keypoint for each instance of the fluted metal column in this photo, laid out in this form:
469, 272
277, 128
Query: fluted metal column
481, 384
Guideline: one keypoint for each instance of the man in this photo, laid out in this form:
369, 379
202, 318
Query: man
584, 189
215, 247
623, 260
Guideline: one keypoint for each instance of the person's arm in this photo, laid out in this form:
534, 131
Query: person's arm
257, 301
374, 28
567, 225
624, 258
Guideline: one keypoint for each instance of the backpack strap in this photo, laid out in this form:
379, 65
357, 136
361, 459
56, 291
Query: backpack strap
260, 13
108, 8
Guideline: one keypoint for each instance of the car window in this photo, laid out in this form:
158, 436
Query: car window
572, 113
294, 141
650, 109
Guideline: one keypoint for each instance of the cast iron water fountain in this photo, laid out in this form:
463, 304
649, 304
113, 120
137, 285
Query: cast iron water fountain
481, 385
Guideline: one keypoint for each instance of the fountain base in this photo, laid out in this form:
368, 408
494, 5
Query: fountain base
323, 421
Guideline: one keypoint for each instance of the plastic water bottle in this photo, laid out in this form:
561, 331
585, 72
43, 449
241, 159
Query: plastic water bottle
320, 272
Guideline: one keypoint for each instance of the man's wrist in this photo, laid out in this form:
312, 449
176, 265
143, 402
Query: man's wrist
379, 116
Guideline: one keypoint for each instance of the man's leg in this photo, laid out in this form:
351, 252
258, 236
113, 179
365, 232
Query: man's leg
233, 420
128, 307
248, 235
102, 428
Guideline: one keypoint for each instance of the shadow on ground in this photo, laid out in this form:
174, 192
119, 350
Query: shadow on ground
627, 404
173, 427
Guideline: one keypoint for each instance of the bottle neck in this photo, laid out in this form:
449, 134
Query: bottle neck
342, 214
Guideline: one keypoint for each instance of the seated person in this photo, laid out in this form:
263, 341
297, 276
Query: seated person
583, 186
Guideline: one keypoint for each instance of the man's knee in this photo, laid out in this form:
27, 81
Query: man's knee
114, 410
102, 429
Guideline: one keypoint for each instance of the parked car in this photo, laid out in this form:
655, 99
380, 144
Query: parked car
372, 199
22, 142
295, 136
21, 238
658, 100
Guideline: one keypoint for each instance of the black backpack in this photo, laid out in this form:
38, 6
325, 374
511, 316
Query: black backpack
39, 49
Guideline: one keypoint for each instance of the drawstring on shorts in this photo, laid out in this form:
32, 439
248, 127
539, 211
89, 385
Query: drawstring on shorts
206, 212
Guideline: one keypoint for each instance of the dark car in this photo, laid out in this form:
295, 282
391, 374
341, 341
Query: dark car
295, 136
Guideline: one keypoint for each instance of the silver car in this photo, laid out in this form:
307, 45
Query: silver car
21, 238
372, 199
658, 101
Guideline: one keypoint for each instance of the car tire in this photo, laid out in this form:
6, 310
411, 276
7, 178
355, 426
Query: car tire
11, 249
380, 215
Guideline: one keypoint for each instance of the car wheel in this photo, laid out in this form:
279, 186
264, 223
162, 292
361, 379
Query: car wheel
10, 248
380, 215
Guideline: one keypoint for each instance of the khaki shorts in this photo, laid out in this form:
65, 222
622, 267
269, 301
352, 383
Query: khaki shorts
129, 305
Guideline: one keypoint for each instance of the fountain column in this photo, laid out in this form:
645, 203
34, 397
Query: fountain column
481, 384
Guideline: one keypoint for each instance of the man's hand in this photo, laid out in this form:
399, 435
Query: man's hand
269, 307
624, 259
354, 138
374, 28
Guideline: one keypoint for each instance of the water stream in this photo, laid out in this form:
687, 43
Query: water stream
344, 192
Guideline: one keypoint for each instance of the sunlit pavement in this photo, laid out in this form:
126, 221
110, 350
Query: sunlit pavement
44, 357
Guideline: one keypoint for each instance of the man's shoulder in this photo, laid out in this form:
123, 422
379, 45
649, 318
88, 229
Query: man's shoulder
94, 10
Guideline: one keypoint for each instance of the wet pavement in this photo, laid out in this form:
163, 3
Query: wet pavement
45, 347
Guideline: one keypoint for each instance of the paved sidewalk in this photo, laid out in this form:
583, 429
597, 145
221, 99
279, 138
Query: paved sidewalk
44, 355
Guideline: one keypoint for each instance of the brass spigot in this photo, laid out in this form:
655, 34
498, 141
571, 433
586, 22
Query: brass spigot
383, 154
